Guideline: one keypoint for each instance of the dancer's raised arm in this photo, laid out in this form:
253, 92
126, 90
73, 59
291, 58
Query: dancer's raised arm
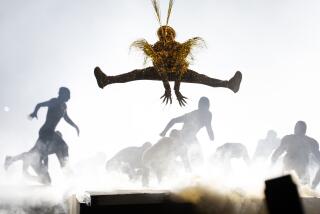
34, 114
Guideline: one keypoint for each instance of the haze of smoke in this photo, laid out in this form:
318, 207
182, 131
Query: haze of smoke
89, 174
31, 199
212, 201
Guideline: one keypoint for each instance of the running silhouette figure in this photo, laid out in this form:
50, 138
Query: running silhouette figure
192, 123
57, 109
50, 141
298, 148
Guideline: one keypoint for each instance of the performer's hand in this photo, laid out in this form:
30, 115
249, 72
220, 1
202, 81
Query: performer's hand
78, 130
33, 115
166, 96
163, 134
181, 99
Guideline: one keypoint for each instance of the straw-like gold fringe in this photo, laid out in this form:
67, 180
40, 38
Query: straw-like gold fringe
146, 49
180, 56
187, 47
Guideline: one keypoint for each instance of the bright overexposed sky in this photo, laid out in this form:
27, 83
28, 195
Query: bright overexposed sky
47, 44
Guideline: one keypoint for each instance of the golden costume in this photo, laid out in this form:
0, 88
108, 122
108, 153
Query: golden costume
170, 61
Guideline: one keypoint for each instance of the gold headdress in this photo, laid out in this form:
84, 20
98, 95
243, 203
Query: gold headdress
184, 50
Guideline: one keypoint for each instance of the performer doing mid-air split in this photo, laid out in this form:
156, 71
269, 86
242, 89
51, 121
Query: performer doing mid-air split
170, 63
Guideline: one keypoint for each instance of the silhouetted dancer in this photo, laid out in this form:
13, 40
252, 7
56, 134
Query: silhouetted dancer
192, 123
37, 159
298, 147
128, 160
161, 156
266, 146
49, 140
170, 61
57, 109
227, 151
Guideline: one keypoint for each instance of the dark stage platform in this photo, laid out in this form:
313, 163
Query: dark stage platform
130, 201
157, 202
36, 199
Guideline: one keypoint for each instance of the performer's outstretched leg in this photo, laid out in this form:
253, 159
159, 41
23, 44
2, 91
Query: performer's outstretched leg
151, 73
194, 77
11, 159
42, 172
31, 159
59, 147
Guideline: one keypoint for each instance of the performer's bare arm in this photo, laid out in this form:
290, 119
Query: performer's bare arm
209, 128
180, 119
181, 99
68, 120
315, 151
167, 93
279, 151
34, 114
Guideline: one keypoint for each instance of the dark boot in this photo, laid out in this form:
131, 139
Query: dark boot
102, 79
234, 82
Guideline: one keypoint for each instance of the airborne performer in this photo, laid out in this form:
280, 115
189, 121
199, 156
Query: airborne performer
170, 63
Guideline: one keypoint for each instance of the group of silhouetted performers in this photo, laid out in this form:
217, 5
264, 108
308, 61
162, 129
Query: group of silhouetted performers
179, 149
297, 151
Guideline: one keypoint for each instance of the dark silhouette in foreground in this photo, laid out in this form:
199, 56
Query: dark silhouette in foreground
170, 63
297, 148
192, 123
128, 161
282, 196
266, 146
50, 141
